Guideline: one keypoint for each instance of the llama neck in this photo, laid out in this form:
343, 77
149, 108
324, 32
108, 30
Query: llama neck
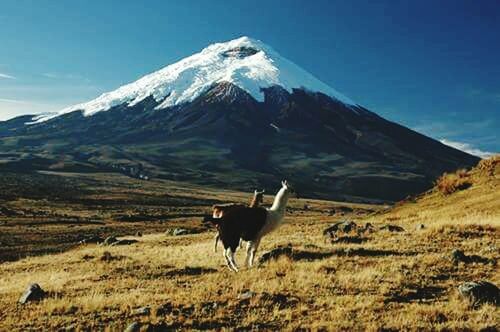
280, 201
254, 202
276, 213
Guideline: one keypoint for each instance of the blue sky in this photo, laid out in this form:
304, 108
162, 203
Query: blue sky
430, 65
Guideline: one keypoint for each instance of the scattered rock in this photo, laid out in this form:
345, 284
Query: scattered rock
492, 249
107, 257
342, 226
209, 307
123, 242
458, 256
419, 227
178, 231
70, 328
480, 292
368, 228
276, 253
134, 327
33, 293
246, 295
186, 310
306, 207
328, 269
91, 239
280, 300
138, 234
340, 210
143, 311
71, 310
109, 240
164, 309
392, 228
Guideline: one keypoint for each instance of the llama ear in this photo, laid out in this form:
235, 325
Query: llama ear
283, 183
255, 192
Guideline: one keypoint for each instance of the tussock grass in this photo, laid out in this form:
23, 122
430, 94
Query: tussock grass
449, 183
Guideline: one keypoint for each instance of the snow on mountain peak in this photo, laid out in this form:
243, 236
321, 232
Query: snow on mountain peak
245, 62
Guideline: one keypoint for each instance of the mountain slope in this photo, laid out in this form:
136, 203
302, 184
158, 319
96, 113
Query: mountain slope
462, 197
244, 122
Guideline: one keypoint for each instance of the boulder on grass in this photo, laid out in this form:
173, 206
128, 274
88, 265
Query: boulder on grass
178, 231
124, 242
109, 240
134, 327
480, 292
33, 293
345, 226
91, 239
392, 228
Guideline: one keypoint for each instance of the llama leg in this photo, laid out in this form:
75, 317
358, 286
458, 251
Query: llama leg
249, 249
230, 259
216, 241
226, 257
253, 249
233, 262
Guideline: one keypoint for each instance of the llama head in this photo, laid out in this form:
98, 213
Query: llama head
289, 189
258, 196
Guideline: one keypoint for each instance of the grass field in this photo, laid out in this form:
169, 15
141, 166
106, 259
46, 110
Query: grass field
378, 280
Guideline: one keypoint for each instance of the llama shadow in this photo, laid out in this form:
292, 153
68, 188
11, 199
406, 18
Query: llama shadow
189, 271
426, 293
300, 255
362, 252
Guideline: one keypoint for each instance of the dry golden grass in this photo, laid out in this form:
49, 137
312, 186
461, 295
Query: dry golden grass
393, 280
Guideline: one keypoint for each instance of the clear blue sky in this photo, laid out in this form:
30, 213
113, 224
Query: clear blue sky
430, 65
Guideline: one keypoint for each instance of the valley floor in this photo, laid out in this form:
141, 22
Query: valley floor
375, 280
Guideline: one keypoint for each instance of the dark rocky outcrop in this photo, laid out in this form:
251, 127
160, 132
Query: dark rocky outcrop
91, 239
133, 327
480, 292
124, 242
458, 256
392, 228
179, 231
345, 226
33, 293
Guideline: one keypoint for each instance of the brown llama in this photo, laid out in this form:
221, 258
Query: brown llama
250, 224
220, 209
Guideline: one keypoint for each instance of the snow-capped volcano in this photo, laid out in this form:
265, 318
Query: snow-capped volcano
235, 115
244, 62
